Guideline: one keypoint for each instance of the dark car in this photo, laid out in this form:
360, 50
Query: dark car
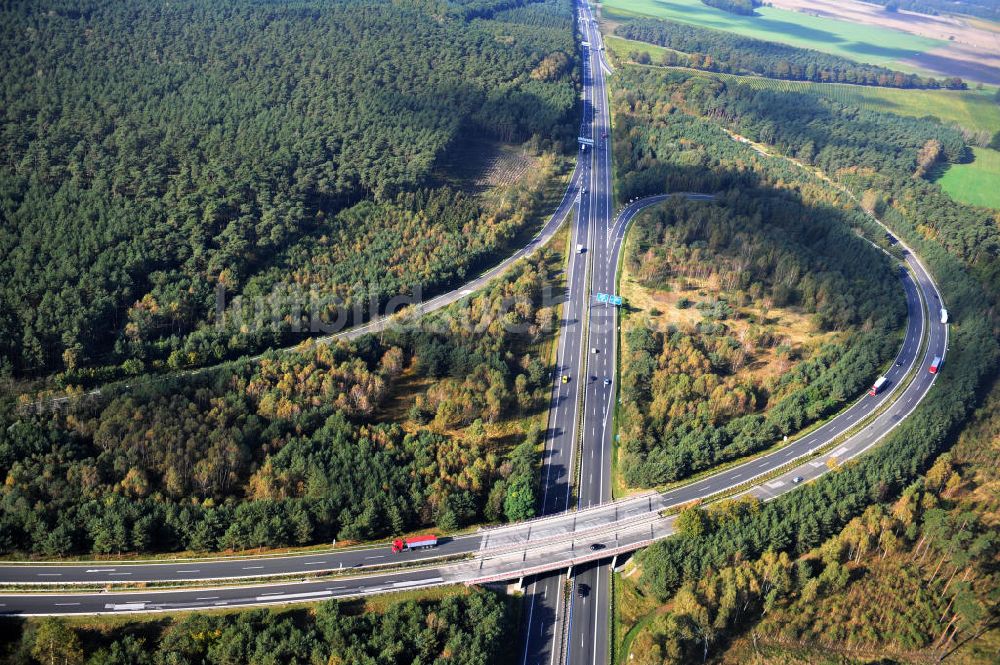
597, 546
583, 590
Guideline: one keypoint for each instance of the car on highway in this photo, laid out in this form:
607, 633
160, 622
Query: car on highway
604, 135
594, 350
597, 546
797, 479
607, 382
583, 590
565, 378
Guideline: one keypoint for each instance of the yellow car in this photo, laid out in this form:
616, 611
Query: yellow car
565, 378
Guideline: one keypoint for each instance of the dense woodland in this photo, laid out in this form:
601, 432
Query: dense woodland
883, 158
154, 155
880, 159
778, 233
910, 578
727, 52
741, 7
686, 404
298, 447
466, 629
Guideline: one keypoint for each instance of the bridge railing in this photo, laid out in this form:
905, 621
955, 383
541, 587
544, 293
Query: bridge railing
581, 534
565, 563
583, 511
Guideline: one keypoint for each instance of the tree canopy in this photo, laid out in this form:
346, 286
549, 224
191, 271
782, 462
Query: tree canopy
154, 154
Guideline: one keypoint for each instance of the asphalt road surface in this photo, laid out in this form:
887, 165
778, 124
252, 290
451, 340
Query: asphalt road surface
544, 598
584, 618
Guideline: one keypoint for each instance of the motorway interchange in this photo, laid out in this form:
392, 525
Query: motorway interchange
581, 530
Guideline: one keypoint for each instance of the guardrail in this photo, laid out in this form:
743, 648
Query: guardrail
617, 525
565, 563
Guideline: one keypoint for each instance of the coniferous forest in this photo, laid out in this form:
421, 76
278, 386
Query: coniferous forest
429, 425
155, 156
466, 629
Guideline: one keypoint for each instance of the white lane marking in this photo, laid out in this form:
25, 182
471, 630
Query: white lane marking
292, 596
49, 574
190, 570
314, 563
119, 573
252, 567
379, 556
271, 593
208, 598
100, 570
429, 580
66, 604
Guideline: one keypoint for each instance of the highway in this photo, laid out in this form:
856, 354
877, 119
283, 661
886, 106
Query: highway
544, 597
547, 544
587, 632
548, 607
563, 539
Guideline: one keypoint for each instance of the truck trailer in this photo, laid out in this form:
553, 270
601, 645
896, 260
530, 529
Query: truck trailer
413, 544
877, 386
935, 366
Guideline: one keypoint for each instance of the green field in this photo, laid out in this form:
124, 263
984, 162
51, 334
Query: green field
973, 110
969, 109
977, 183
850, 40
622, 47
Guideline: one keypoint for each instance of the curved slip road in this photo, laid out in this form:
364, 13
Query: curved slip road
554, 542
593, 225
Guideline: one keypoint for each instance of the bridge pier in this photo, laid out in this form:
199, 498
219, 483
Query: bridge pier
619, 566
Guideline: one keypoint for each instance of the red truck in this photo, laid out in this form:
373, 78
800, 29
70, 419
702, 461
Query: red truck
414, 543
877, 386
933, 369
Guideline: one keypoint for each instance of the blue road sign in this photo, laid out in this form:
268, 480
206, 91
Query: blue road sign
602, 297
615, 300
